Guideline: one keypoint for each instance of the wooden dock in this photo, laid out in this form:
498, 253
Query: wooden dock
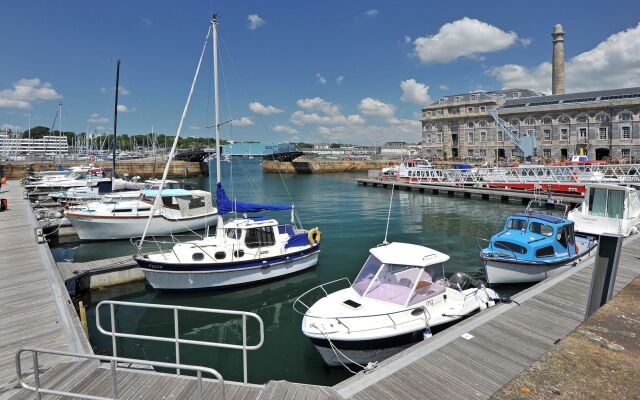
503, 340
36, 309
484, 193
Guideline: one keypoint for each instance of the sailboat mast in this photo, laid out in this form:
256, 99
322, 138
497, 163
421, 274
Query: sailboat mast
214, 22
115, 122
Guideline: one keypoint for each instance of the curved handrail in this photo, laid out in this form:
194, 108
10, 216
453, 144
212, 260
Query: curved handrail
113, 366
321, 286
176, 339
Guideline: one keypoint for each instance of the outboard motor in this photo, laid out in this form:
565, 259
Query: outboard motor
460, 281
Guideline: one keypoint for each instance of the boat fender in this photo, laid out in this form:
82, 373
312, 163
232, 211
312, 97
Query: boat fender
314, 236
426, 333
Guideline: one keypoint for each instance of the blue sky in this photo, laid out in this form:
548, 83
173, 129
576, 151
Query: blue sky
345, 71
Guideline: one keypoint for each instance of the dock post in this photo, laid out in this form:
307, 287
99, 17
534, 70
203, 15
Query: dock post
604, 273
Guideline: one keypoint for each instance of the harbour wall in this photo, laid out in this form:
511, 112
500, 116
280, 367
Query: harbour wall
144, 167
310, 166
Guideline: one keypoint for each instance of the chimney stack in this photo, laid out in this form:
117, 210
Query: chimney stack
557, 80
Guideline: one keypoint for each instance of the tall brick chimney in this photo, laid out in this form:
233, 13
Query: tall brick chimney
557, 79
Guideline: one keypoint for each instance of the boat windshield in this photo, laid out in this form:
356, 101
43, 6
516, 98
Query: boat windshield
399, 284
606, 202
518, 224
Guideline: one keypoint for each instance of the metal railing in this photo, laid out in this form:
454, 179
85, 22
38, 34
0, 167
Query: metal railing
176, 339
39, 390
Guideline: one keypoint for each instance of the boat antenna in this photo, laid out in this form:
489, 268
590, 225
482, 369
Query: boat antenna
156, 202
115, 123
386, 231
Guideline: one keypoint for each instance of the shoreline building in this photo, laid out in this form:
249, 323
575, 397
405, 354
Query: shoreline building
49, 145
601, 124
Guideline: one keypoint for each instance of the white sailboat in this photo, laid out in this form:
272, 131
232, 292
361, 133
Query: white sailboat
243, 250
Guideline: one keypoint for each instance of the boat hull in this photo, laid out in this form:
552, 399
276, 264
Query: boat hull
108, 228
199, 277
499, 272
365, 351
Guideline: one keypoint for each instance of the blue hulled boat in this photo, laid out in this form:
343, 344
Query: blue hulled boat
532, 245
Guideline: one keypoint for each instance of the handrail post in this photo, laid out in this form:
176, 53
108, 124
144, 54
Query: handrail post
36, 374
199, 374
244, 346
113, 330
114, 382
177, 333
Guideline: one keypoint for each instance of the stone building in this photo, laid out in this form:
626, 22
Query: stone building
601, 124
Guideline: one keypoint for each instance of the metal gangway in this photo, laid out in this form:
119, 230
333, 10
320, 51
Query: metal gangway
535, 175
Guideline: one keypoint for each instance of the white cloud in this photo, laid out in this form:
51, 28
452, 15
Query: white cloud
124, 109
259, 108
320, 79
443, 87
195, 127
124, 91
525, 41
372, 12
26, 91
318, 104
10, 127
244, 121
376, 108
300, 118
613, 63
255, 21
407, 39
103, 90
414, 92
339, 79
285, 128
146, 21
465, 37
96, 118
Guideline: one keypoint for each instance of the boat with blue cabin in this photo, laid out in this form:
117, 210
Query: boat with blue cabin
531, 245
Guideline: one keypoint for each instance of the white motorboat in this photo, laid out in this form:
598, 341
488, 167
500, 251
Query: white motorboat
399, 295
123, 216
244, 250
608, 210
74, 179
415, 169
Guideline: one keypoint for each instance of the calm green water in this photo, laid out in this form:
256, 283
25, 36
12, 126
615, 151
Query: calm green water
352, 219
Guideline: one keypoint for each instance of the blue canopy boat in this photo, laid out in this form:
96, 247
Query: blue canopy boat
530, 246
244, 250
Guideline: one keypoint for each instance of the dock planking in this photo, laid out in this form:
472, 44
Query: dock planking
36, 309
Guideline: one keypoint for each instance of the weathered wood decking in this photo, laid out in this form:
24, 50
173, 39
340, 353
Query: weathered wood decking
35, 308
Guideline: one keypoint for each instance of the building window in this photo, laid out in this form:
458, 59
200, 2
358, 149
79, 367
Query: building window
582, 119
564, 134
483, 152
546, 153
429, 138
473, 97
470, 152
625, 153
547, 134
531, 132
603, 134
602, 117
530, 121
456, 99
625, 117
483, 136
516, 95
547, 121
483, 124
470, 125
515, 122
483, 109
470, 109
439, 137
428, 113
443, 100
500, 136
626, 132
438, 112
564, 120
470, 137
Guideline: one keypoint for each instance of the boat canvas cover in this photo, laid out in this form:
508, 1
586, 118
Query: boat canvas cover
226, 205
197, 204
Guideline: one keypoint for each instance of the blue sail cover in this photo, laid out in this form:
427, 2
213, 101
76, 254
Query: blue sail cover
226, 205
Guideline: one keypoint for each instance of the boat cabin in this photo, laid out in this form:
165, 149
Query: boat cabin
187, 202
531, 237
608, 209
259, 232
401, 274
